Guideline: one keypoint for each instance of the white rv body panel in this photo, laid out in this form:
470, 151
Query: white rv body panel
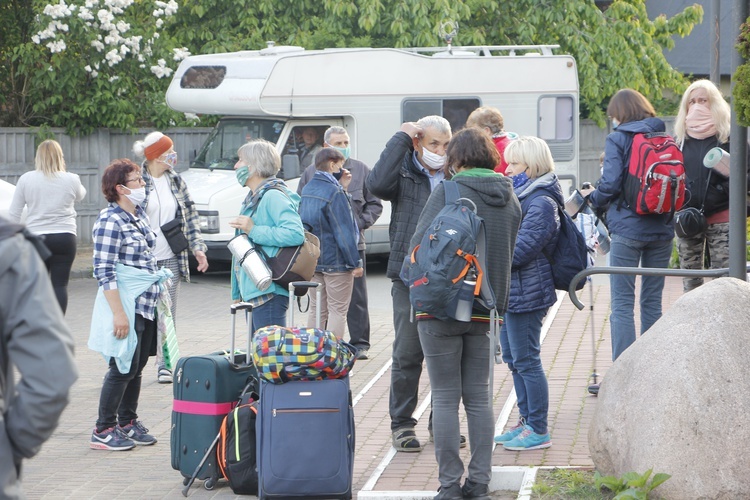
368, 92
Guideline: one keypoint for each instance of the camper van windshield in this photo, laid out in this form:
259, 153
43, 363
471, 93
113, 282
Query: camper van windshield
220, 149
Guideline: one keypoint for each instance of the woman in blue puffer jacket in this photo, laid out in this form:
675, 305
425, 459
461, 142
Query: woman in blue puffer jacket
532, 288
644, 240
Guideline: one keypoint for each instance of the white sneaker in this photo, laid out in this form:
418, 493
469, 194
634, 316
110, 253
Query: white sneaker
164, 375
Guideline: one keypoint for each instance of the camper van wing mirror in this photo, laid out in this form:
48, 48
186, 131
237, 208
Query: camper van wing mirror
290, 166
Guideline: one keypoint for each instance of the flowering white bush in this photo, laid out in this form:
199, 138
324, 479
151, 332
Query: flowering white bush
107, 27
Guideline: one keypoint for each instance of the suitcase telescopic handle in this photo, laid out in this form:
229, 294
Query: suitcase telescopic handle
239, 306
298, 284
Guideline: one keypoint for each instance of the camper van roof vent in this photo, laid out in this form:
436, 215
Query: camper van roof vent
272, 49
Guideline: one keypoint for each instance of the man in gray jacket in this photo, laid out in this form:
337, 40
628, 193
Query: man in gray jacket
409, 168
367, 208
35, 340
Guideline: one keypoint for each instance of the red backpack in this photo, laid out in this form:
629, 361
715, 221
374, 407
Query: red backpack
655, 181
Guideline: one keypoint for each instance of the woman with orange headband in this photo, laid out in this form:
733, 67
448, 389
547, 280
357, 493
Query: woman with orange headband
168, 202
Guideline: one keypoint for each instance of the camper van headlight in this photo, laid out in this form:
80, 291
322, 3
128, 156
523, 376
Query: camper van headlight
209, 220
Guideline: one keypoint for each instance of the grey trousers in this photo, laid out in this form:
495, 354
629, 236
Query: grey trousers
407, 361
457, 357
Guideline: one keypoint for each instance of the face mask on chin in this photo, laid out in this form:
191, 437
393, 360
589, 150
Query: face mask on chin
432, 160
137, 196
519, 180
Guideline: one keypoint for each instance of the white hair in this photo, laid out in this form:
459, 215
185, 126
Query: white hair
440, 124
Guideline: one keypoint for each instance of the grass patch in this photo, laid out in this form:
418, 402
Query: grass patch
563, 484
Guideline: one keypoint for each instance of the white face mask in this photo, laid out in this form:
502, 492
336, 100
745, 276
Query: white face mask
432, 160
136, 195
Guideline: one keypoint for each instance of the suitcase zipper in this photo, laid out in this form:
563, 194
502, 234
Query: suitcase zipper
311, 410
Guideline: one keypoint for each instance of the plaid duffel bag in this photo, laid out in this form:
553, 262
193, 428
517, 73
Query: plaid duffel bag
283, 354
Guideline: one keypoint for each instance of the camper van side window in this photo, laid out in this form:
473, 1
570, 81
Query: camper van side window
203, 77
456, 111
556, 118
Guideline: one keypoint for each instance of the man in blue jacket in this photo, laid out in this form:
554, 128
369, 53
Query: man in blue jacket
409, 168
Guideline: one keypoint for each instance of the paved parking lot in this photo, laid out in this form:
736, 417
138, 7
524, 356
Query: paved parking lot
68, 468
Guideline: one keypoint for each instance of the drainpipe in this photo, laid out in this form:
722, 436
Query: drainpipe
715, 40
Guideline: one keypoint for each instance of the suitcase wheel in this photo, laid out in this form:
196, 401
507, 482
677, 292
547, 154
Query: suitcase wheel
209, 483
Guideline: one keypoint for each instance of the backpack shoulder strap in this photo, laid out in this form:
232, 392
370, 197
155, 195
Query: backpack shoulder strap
451, 192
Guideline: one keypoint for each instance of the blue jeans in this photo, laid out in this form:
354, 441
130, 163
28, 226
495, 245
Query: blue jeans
118, 401
272, 312
625, 252
457, 356
520, 338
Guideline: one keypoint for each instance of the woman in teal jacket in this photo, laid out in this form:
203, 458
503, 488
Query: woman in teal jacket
270, 219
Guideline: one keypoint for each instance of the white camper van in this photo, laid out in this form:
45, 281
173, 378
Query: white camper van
277, 92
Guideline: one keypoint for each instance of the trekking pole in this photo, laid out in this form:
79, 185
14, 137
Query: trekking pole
593, 388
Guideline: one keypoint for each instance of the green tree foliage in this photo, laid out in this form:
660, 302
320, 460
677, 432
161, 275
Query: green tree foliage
620, 47
741, 78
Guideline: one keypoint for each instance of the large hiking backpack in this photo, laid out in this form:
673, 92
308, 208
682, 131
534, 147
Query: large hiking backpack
655, 180
452, 249
236, 448
570, 255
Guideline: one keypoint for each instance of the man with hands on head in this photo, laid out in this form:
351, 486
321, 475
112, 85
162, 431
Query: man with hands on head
409, 168
367, 208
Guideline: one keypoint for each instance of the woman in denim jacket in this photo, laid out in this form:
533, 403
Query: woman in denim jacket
326, 210
270, 219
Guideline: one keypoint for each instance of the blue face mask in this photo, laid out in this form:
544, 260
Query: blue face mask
242, 174
520, 179
615, 123
344, 151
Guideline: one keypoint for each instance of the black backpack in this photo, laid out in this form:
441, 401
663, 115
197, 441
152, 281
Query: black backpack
570, 255
235, 450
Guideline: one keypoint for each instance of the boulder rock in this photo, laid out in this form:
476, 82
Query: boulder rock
678, 400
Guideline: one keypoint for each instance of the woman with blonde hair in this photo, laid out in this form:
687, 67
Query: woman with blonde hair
168, 202
532, 289
49, 193
702, 124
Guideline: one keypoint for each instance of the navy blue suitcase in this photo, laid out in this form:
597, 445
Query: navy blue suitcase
305, 433
305, 439
206, 388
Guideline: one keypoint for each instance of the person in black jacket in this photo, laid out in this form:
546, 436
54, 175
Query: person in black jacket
702, 124
409, 168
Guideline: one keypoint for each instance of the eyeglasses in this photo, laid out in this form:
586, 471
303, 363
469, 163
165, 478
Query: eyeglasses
138, 179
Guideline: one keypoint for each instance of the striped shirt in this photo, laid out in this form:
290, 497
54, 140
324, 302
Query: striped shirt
120, 236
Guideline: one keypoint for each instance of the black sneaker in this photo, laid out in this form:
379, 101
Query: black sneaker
111, 439
452, 492
138, 433
470, 489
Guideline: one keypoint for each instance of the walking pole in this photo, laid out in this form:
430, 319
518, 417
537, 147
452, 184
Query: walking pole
593, 388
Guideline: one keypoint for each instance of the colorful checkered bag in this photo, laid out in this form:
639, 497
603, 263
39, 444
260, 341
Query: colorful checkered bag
283, 354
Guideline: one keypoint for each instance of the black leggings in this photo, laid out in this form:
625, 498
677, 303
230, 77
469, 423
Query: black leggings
63, 248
